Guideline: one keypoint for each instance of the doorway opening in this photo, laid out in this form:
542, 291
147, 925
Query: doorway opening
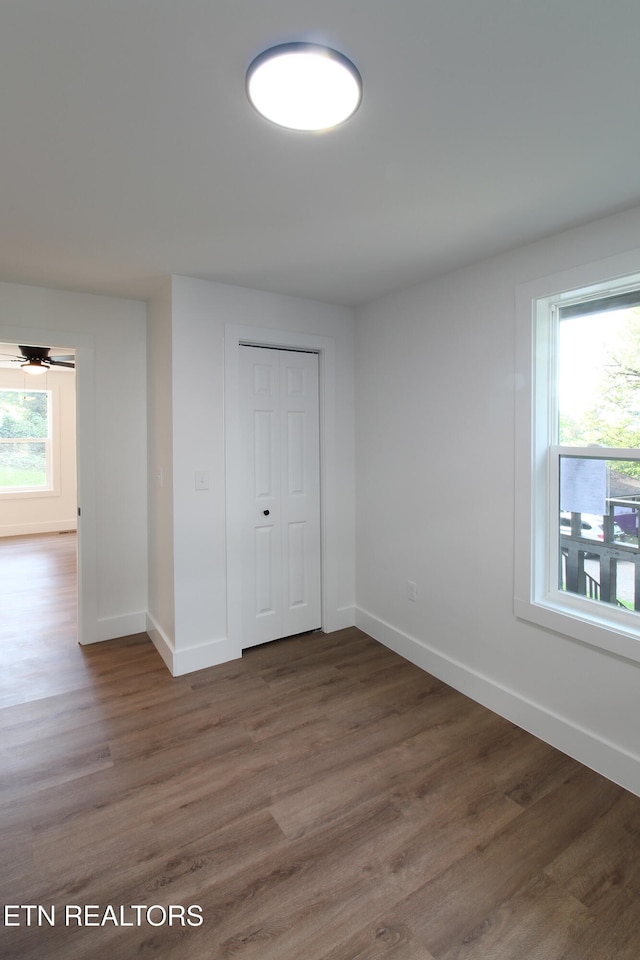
38, 496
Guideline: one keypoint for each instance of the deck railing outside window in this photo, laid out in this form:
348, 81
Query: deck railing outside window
600, 556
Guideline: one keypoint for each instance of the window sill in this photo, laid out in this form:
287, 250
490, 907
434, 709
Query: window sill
28, 494
581, 620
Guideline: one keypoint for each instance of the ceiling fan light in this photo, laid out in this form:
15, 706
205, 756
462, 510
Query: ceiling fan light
304, 86
34, 366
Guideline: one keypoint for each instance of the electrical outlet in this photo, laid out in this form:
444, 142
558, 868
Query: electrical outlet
412, 590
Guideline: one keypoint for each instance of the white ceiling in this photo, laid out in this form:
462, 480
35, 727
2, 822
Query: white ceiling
129, 150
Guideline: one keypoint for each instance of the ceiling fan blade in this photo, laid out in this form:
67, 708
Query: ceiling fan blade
39, 356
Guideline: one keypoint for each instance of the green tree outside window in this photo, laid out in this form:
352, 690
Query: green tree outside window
24, 436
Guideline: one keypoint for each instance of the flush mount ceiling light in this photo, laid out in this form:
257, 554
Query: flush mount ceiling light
304, 86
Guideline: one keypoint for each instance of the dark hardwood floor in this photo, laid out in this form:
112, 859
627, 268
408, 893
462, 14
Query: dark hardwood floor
320, 799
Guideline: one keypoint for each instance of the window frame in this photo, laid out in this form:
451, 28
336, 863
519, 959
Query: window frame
538, 598
52, 448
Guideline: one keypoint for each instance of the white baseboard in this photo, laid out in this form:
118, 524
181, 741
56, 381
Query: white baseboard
204, 655
110, 628
189, 659
161, 642
340, 619
583, 745
28, 529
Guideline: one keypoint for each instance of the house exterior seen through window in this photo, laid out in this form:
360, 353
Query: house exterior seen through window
578, 460
25, 440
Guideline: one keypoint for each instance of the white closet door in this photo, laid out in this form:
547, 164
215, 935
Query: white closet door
279, 417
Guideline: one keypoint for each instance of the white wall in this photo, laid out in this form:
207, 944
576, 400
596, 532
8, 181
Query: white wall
109, 336
161, 609
435, 503
202, 313
52, 511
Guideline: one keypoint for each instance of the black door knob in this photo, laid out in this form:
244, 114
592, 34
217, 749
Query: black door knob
266, 513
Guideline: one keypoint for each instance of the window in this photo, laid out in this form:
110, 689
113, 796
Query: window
578, 461
25, 441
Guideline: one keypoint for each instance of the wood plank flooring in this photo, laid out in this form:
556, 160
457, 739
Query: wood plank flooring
38, 617
320, 799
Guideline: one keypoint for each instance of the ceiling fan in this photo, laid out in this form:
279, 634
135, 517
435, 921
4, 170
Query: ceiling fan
38, 360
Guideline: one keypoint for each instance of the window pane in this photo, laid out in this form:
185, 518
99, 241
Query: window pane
599, 554
599, 379
24, 432
24, 413
23, 464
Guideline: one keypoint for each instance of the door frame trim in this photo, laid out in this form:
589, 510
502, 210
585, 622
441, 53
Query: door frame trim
235, 336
